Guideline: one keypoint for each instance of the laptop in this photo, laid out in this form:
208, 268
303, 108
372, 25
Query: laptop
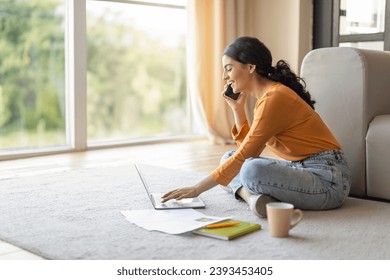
156, 198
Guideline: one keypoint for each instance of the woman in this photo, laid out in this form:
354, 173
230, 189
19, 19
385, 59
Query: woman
312, 174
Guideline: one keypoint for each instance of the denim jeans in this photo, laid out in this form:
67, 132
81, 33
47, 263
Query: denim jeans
319, 182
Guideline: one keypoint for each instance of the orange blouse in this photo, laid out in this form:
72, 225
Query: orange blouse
286, 124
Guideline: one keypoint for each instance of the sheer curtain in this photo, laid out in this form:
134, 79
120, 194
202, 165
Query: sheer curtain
212, 25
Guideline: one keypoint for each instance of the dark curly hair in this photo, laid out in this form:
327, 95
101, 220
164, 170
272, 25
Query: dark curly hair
249, 50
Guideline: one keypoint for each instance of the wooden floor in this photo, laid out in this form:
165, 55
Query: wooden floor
198, 155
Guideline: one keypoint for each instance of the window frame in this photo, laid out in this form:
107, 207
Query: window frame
76, 69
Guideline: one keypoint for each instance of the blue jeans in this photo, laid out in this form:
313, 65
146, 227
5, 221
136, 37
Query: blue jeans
319, 182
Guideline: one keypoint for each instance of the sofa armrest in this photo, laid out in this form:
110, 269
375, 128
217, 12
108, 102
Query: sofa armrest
378, 157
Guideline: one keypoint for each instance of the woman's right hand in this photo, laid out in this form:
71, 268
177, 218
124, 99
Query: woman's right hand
236, 105
238, 108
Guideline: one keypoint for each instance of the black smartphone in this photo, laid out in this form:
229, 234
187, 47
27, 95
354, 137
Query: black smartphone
229, 93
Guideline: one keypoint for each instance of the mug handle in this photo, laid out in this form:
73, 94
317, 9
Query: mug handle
300, 216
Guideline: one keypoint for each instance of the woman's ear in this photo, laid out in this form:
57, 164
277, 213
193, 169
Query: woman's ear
252, 68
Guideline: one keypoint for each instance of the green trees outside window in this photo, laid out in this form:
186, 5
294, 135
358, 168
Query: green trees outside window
32, 75
136, 71
136, 78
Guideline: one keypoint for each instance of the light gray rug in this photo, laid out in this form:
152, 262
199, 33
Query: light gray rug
76, 215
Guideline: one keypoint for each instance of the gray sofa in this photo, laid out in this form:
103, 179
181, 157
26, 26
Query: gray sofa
352, 90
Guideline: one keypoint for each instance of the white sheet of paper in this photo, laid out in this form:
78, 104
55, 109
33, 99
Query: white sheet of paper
171, 221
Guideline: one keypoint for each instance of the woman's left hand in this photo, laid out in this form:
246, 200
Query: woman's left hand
190, 192
186, 192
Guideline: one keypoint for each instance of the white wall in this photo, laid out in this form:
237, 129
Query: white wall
285, 26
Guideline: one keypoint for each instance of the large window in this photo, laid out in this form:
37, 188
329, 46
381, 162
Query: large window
361, 23
79, 73
353, 23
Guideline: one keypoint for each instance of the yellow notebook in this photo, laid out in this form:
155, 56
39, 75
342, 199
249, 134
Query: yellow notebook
228, 233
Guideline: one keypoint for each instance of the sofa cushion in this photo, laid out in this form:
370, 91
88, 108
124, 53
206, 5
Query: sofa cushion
378, 157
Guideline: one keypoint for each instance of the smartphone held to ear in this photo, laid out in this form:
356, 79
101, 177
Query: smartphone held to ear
229, 93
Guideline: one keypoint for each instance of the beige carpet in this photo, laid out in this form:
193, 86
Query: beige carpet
76, 215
